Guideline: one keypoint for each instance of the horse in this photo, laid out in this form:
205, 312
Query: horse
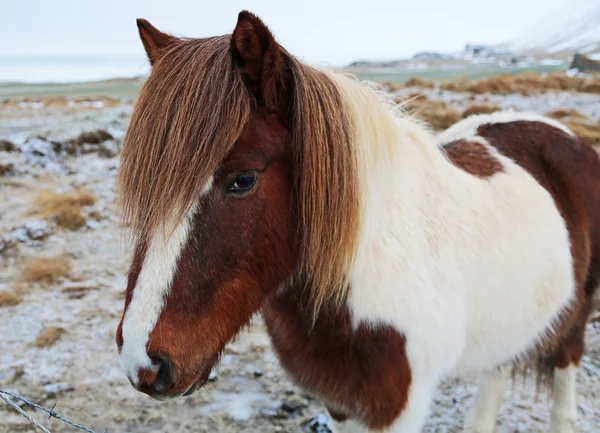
383, 258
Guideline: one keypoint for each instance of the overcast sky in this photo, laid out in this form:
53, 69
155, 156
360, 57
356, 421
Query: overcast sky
334, 32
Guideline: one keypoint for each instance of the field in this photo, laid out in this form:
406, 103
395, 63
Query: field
446, 71
128, 87
119, 88
63, 261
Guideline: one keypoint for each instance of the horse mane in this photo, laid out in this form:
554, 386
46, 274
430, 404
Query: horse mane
192, 109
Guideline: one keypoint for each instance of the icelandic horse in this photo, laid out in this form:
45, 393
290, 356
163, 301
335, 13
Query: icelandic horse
382, 258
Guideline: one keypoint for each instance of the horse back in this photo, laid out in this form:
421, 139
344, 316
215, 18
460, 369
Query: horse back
565, 166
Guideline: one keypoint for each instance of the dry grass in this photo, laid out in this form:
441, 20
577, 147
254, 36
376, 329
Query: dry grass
418, 82
8, 246
95, 215
458, 85
437, 113
21, 288
9, 299
589, 132
524, 84
49, 336
87, 141
108, 101
7, 169
64, 208
480, 109
54, 101
563, 113
46, 269
497, 85
593, 87
92, 137
391, 86
7, 146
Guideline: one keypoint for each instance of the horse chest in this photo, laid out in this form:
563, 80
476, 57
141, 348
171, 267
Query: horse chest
362, 372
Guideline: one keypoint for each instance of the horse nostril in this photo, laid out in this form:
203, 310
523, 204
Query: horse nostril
166, 376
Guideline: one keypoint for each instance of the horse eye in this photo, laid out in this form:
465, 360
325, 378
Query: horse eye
243, 182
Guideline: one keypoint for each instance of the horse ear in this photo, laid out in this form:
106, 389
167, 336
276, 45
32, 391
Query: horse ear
152, 38
260, 60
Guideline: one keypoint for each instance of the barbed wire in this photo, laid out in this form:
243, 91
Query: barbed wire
50, 412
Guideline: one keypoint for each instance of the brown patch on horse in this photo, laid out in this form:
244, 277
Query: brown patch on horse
361, 373
568, 169
473, 158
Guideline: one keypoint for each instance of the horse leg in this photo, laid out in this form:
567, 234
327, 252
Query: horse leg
566, 363
413, 416
564, 408
487, 402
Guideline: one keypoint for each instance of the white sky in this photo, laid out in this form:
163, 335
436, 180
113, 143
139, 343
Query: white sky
335, 32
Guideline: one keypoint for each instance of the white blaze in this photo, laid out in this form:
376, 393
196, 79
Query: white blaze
151, 290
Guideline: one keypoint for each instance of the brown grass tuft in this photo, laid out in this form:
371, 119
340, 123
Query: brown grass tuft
21, 288
592, 87
590, 133
64, 208
91, 137
437, 113
391, 86
7, 146
9, 299
49, 336
46, 269
458, 85
7, 169
562, 113
95, 215
7, 246
525, 84
418, 82
480, 109
503, 85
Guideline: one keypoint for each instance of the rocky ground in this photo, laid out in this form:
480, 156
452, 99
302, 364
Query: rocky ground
62, 275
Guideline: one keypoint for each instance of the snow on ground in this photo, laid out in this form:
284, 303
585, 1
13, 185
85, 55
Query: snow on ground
81, 373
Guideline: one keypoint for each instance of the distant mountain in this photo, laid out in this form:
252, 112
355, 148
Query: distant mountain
471, 54
572, 28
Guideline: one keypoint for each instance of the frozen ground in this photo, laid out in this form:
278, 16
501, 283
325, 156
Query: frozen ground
80, 372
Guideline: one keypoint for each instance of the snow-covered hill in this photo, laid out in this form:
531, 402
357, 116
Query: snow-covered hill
573, 28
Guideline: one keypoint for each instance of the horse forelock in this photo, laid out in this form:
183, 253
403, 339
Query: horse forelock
189, 114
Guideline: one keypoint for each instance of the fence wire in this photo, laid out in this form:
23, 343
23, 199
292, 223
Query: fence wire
7, 396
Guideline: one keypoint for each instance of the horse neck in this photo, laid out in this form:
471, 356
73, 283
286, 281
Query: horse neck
402, 172
410, 192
